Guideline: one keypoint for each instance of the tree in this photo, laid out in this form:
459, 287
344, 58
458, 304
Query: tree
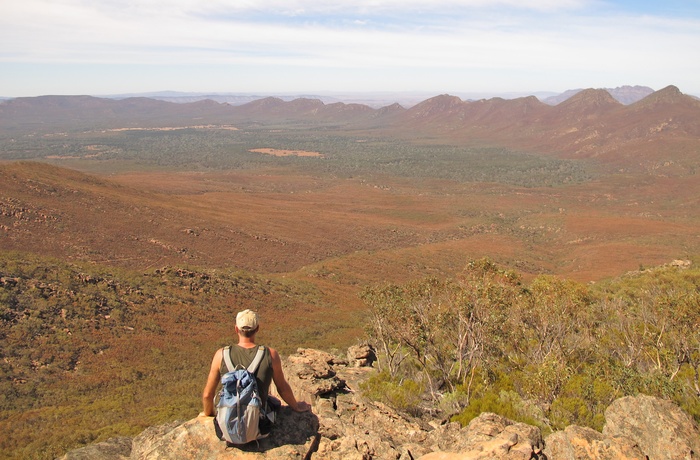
448, 328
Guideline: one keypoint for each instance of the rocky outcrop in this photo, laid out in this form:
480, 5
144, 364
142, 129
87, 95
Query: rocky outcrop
344, 425
640, 427
196, 440
660, 428
312, 373
361, 355
113, 449
579, 443
488, 436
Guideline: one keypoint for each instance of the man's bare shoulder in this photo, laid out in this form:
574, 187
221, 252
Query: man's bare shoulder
273, 353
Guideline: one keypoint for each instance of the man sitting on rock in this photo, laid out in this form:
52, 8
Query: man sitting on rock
270, 369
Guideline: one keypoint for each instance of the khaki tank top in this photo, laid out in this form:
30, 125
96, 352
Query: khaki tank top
243, 357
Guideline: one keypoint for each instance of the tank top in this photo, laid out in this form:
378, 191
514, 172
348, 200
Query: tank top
243, 357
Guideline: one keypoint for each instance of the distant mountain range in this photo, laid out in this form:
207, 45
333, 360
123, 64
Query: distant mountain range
624, 94
588, 123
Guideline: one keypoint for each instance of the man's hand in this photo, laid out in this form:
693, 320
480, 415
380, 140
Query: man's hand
302, 406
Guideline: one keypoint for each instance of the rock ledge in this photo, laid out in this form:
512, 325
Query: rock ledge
346, 426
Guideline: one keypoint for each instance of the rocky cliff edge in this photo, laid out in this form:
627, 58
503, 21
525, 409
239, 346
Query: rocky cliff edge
344, 425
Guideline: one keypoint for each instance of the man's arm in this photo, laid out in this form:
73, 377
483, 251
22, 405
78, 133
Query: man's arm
210, 387
283, 388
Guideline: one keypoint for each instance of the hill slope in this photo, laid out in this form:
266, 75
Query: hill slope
151, 248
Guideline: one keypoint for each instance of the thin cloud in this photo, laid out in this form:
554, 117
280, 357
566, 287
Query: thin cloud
303, 7
515, 37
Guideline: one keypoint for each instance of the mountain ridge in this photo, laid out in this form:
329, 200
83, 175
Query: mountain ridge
591, 123
625, 94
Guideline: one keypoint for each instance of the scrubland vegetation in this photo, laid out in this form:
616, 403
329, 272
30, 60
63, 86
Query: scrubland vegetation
108, 339
551, 352
93, 352
344, 155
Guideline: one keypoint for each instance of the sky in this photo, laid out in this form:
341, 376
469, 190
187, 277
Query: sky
105, 47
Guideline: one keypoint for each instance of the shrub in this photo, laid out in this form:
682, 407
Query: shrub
402, 395
507, 404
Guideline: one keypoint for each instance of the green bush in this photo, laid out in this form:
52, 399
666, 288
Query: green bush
485, 341
489, 402
403, 395
507, 404
583, 401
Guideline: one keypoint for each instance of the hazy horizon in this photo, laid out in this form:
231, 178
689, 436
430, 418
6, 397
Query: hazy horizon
308, 46
374, 99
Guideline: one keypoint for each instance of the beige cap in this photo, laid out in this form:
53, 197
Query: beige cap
247, 319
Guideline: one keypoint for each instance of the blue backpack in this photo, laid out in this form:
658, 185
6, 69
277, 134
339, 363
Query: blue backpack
238, 410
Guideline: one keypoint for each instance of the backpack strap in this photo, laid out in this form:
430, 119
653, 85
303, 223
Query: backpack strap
227, 358
256, 361
253, 366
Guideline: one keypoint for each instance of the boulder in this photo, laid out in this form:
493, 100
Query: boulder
112, 449
361, 355
311, 374
488, 436
582, 443
351, 427
660, 428
293, 437
150, 436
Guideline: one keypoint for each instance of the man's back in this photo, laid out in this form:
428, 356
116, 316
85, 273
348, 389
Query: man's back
246, 328
241, 356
